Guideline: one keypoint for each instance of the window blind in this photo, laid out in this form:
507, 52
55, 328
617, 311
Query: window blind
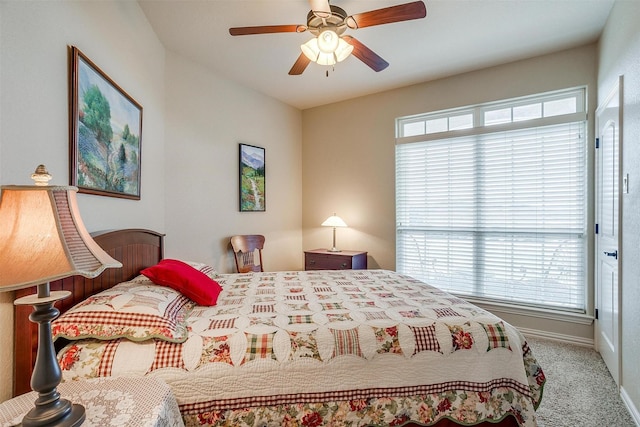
499, 216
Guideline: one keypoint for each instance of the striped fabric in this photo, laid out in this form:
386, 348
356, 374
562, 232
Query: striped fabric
222, 323
497, 335
300, 318
208, 270
376, 315
346, 342
425, 338
168, 355
396, 303
296, 297
106, 361
446, 312
263, 308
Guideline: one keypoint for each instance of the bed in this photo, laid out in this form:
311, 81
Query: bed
298, 348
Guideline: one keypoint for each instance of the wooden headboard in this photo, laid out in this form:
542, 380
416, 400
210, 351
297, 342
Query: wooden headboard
136, 249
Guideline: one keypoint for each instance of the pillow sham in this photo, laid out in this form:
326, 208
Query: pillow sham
209, 271
130, 310
185, 279
204, 268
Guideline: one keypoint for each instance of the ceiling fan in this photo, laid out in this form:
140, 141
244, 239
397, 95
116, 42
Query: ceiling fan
328, 24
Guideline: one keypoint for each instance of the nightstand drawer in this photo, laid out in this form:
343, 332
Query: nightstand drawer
321, 259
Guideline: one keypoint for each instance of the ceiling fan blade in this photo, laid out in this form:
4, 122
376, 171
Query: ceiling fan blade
366, 55
267, 29
300, 65
388, 15
320, 8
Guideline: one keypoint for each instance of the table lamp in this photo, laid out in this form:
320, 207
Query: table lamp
334, 221
43, 238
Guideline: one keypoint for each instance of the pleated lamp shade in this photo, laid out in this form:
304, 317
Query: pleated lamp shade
43, 238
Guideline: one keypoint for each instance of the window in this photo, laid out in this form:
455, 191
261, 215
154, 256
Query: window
498, 214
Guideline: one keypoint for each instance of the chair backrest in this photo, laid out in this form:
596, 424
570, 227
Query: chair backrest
244, 249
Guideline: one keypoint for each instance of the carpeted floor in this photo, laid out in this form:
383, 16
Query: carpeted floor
579, 391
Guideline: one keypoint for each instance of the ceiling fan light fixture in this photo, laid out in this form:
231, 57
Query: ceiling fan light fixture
326, 59
315, 54
328, 41
327, 23
311, 49
343, 51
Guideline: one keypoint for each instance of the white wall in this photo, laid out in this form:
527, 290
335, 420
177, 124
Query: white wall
620, 56
34, 116
206, 119
353, 171
192, 124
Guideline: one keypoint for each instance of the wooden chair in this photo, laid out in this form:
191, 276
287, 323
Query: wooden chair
244, 249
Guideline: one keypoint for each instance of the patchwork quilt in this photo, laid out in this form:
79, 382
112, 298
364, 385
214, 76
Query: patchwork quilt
311, 348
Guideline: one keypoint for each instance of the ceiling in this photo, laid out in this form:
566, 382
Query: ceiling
456, 36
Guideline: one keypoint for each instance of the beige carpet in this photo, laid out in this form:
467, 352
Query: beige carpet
579, 391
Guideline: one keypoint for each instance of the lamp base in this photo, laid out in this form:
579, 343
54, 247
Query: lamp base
42, 416
334, 250
50, 409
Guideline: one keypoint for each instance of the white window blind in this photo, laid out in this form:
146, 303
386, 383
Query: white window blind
497, 215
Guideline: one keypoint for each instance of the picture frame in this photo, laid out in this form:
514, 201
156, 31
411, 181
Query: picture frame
252, 177
105, 149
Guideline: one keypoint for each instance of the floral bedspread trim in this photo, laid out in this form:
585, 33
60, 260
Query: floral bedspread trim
461, 406
355, 395
535, 375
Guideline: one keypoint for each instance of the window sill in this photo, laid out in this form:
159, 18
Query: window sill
542, 313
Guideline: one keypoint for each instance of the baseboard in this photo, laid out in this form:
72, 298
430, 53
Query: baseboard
534, 333
630, 406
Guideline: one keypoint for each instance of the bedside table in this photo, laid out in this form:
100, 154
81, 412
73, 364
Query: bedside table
112, 401
322, 259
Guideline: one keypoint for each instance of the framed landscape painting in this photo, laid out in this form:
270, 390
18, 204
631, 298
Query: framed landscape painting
252, 179
105, 133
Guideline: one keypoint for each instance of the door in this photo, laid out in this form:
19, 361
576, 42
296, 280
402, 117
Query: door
607, 325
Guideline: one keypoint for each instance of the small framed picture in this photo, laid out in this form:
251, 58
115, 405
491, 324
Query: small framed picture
252, 179
105, 133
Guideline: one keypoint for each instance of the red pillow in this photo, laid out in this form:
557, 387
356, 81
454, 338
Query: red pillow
185, 279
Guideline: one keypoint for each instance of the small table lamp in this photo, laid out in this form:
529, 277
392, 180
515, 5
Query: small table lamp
334, 221
43, 238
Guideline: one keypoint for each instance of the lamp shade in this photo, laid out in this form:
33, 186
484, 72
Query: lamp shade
334, 221
327, 49
328, 41
343, 50
43, 238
